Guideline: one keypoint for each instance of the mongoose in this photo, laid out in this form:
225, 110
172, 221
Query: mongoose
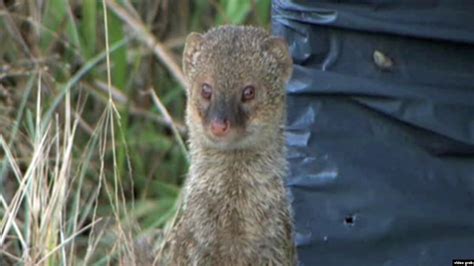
235, 208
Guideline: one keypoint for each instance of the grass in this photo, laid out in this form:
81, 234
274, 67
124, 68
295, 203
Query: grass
92, 99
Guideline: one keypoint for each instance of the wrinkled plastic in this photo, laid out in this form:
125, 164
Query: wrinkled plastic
381, 130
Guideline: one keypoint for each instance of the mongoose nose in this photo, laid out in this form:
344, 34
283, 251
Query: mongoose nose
220, 128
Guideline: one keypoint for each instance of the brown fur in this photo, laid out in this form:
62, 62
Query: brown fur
235, 209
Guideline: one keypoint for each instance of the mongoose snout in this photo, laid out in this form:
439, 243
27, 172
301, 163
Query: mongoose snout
220, 127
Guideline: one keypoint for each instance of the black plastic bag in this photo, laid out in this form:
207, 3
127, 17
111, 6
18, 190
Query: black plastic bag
381, 130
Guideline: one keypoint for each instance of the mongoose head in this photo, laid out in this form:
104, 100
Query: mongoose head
236, 95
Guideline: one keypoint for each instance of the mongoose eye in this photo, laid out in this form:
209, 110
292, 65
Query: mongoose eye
248, 93
206, 91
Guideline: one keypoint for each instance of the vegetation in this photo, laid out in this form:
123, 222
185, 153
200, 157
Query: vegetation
91, 122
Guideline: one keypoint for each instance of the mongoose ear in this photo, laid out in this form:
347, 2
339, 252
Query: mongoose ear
278, 47
193, 46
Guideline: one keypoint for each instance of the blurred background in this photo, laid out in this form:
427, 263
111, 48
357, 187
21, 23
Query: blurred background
89, 164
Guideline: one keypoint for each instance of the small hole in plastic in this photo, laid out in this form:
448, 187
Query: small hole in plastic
349, 220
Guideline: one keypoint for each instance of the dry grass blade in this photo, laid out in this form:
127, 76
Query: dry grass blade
88, 66
14, 32
15, 226
67, 240
22, 190
121, 100
158, 48
168, 120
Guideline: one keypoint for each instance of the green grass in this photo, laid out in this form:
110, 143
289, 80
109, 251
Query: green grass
87, 167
